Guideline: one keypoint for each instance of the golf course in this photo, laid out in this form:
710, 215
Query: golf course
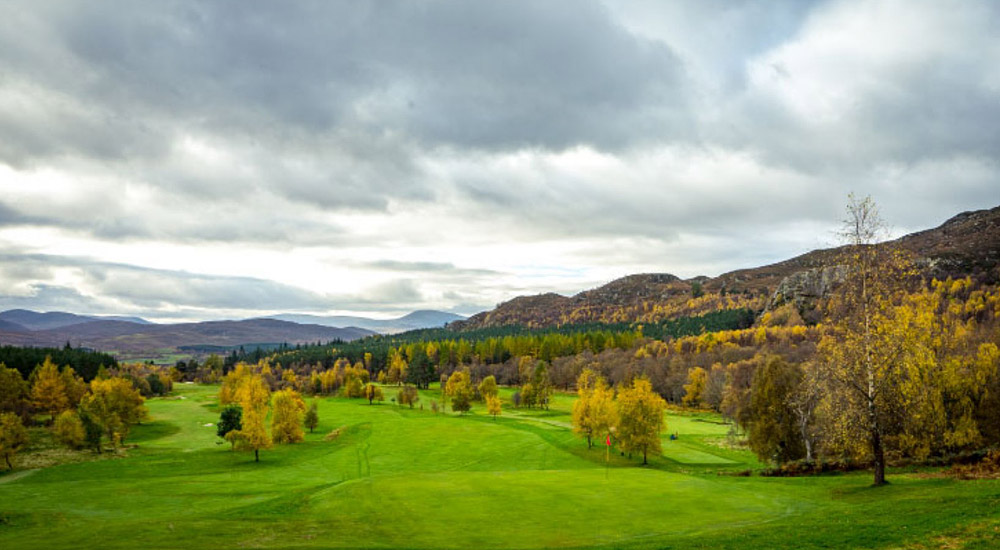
385, 476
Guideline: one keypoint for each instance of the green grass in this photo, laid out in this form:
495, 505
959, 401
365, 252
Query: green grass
401, 478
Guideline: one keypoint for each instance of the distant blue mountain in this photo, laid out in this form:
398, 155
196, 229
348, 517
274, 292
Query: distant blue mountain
33, 320
411, 321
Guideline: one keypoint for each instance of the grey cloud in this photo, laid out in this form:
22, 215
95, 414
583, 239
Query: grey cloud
446, 268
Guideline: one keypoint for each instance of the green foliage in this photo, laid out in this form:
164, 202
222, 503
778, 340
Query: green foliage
231, 419
498, 344
68, 430
459, 389
13, 436
408, 395
311, 419
85, 362
774, 433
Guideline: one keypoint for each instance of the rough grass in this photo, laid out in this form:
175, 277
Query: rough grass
401, 478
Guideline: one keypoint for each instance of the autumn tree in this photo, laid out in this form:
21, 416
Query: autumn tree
373, 393
459, 390
408, 395
68, 430
594, 412
865, 354
253, 397
488, 387
230, 420
73, 385
774, 433
13, 436
493, 405
397, 368
640, 418
286, 418
694, 390
49, 389
227, 393
115, 404
13, 391
311, 419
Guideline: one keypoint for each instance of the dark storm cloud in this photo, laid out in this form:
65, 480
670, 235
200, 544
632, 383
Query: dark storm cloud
486, 75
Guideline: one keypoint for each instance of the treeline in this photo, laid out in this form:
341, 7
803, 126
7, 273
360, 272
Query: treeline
80, 414
86, 363
496, 345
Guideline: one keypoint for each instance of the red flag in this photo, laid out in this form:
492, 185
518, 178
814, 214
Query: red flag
608, 442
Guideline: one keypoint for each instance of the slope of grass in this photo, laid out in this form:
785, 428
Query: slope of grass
402, 478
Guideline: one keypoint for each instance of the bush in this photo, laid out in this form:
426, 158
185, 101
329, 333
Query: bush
69, 430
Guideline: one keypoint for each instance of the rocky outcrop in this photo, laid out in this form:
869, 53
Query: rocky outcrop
805, 288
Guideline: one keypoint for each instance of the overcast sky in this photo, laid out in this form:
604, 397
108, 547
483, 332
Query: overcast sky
201, 160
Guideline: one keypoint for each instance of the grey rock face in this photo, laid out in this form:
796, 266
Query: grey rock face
805, 288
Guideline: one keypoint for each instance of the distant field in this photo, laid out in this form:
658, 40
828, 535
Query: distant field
400, 478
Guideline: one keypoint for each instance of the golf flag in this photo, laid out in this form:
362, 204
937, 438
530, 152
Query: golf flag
608, 442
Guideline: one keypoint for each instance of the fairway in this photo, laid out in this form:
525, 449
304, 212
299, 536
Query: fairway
401, 478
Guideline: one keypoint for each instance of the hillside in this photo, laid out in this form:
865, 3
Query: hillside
411, 321
33, 320
129, 338
967, 244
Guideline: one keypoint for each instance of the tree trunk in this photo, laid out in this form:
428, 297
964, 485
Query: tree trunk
878, 452
256, 455
9, 465
644, 462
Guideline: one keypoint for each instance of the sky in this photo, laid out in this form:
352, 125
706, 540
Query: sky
191, 160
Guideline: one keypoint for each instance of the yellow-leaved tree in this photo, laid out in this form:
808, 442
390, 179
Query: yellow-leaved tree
13, 436
115, 405
459, 389
286, 416
49, 389
252, 396
493, 405
594, 412
694, 390
640, 419
868, 357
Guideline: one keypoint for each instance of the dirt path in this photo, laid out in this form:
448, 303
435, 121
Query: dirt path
16, 476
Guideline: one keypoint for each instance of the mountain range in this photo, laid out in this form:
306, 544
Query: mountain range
967, 244
416, 320
131, 337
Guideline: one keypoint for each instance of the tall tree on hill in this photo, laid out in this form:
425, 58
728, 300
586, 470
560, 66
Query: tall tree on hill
865, 355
